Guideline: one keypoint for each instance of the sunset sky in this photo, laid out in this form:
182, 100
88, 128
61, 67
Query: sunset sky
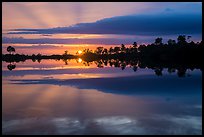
51, 27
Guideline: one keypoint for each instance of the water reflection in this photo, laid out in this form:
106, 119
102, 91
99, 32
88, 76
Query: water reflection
11, 66
180, 69
118, 125
79, 60
80, 97
49, 109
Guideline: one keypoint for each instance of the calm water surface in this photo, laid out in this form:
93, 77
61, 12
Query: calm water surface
53, 98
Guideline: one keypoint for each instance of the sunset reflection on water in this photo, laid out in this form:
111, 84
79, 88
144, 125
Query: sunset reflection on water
53, 98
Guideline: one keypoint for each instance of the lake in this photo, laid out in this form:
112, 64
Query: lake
56, 97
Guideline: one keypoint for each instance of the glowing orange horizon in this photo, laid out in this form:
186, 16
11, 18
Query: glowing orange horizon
79, 52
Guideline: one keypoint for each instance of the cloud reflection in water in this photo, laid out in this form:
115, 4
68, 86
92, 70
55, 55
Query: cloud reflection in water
108, 125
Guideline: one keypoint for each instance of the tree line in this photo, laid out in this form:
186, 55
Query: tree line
183, 52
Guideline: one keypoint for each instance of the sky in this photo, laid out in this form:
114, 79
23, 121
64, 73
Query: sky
40, 26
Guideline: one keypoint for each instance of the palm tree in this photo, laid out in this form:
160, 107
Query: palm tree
105, 51
110, 50
10, 49
65, 52
123, 48
123, 65
134, 48
11, 66
99, 50
134, 45
87, 50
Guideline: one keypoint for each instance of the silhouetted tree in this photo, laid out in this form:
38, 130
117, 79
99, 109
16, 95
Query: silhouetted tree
11, 66
134, 68
65, 61
141, 48
123, 48
192, 43
111, 50
87, 50
171, 70
116, 50
158, 41
105, 51
134, 48
181, 39
65, 53
99, 64
123, 65
10, 49
152, 56
134, 45
39, 57
171, 42
99, 50
181, 72
158, 71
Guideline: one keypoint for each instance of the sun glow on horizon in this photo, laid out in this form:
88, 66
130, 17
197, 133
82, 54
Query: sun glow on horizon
79, 52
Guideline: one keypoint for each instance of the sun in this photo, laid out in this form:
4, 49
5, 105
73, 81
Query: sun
79, 52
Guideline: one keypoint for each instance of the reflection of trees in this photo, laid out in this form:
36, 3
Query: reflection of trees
11, 66
99, 64
134, 68
123, 65
39, 60
39, 57
158, 71
135, 64
156, 66
175, 56
181, 72
87, 63
171, 70
65, 61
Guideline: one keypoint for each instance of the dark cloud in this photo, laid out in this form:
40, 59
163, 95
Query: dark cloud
104, 41
37, 47
133, 84
162, 24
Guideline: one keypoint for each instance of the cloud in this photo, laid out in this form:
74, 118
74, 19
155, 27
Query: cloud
46, 35
103, 41
135, 85
158, 24
37, 47
113, 124
108, 40
53, 14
